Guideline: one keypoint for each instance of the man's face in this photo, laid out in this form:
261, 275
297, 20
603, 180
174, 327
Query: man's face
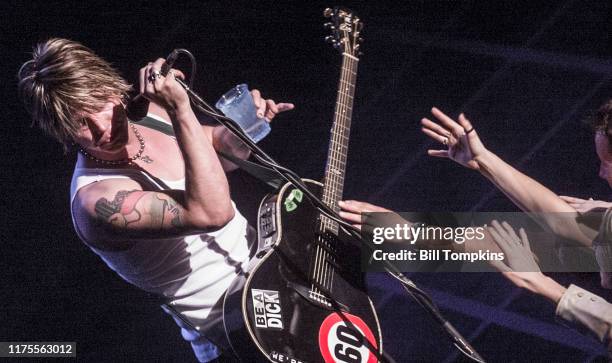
105, 130
602, 146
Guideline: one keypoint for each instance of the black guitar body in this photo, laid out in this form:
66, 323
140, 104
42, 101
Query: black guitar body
277, 314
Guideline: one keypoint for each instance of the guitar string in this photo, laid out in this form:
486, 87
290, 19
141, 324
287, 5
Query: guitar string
330, 175
347, 126
321, 270
329, 178
342, 140
338, 136
350, 88
335, 184
337, 163
318, 262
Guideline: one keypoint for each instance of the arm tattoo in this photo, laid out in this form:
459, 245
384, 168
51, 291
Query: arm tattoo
124, 209
164, 207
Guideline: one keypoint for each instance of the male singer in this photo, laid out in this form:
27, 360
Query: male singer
155, 208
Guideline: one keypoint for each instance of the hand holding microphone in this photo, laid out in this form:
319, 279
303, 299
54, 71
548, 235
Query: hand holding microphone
150, 76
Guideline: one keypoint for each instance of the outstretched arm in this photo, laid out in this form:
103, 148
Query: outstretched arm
574, 304
465, 147
358, 213
519, 265
120, 207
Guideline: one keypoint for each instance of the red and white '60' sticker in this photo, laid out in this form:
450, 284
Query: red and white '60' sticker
339, 342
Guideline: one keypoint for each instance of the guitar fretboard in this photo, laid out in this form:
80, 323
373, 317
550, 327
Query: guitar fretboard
338, 146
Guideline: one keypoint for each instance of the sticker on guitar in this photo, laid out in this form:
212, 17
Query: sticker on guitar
267, 309
292, 201
339, 342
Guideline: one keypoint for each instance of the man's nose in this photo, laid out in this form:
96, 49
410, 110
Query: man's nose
97, 128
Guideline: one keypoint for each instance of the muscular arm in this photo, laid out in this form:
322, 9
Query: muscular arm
113, 211
221, 138
225, 142
121, 207
206, 199
140, 210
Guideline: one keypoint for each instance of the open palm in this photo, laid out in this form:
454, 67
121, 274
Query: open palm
462, 141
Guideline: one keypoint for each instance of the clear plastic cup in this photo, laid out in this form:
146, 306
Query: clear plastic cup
238, 105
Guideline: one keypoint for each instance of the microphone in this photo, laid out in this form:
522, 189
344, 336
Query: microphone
138, 105
137, 108
170, 59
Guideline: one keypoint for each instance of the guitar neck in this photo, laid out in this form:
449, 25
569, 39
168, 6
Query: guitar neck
335, 169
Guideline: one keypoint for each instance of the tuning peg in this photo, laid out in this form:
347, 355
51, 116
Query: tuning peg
328, 12
329, 39
329, 26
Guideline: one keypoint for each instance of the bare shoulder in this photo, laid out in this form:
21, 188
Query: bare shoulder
120, 210
96, 199
107, 190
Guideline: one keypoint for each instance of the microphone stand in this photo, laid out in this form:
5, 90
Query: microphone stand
415, 292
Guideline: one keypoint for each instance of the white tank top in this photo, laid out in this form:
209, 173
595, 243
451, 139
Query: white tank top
193, 271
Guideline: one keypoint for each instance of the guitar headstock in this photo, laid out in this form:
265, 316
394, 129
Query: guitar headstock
345, 28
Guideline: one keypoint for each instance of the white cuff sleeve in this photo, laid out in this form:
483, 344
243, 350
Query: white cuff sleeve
589, 310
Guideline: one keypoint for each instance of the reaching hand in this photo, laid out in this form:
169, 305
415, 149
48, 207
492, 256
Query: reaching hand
462, 141
516, 249
521, 267
268, 108
352, 211
585, 205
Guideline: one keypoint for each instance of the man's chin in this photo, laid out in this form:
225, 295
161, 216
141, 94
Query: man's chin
113, 146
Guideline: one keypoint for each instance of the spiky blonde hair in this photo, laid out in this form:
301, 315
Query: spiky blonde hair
63, 80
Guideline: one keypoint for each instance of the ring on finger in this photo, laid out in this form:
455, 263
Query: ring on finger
445, 141
154, 76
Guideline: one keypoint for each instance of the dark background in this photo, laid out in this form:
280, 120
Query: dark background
526, 73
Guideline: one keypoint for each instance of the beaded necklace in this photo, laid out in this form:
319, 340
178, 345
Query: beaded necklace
122, 161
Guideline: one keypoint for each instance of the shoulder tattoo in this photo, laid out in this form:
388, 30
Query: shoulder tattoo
126, 208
